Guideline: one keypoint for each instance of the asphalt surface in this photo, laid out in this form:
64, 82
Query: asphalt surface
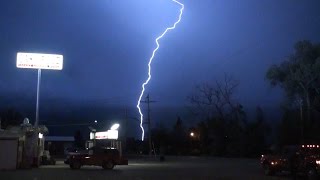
180, 168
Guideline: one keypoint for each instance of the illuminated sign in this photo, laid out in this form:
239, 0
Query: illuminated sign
91, 135
110, 134
40, 135
39, 61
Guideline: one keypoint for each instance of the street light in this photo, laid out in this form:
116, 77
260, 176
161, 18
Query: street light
192, 134
40, 135
115, 126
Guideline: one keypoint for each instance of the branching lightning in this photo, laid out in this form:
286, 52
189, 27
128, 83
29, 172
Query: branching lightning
150, 61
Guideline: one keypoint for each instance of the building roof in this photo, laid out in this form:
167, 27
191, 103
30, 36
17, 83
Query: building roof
59, 138
9, 135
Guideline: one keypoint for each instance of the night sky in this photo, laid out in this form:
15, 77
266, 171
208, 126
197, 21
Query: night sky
107, 43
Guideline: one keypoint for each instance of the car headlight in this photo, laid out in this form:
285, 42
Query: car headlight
274, 163
318, 162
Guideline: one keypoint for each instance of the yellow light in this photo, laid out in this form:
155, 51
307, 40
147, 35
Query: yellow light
191, 134
40, 135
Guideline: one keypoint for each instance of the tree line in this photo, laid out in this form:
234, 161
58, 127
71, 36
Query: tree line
223, 128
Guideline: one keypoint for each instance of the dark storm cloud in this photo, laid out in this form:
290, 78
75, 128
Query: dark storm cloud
106, 45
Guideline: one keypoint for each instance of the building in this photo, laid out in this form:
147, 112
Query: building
57, 145
21, 146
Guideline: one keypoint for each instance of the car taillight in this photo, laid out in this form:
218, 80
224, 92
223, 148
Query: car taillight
310, 146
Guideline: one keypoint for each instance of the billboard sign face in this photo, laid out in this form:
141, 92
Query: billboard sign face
101, 135
110, 134
39, 61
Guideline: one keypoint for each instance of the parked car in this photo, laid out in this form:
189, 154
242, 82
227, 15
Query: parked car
304, 159
71, 150
106, 157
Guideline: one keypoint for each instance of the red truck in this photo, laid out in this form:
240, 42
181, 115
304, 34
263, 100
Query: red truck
302, 159
108, 158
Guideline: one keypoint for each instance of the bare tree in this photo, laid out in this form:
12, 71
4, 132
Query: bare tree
216, 99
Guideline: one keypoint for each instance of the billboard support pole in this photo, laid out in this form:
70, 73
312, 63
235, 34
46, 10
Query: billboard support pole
38, 93
38, 61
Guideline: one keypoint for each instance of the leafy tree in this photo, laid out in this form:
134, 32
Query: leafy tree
160, 137
78, 140
256, 134
179, 137
202, 132
10, 117
289, 130
299, 76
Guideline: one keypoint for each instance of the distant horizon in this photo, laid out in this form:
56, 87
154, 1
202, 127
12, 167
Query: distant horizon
73, 113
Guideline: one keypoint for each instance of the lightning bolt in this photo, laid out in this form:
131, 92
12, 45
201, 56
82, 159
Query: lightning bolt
150, 61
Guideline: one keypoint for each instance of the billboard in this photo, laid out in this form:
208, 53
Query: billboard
110, 134
39, 61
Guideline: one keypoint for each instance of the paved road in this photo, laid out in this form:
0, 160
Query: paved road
182, 168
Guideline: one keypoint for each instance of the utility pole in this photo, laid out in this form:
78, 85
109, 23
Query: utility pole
149, 122
126, 129
300, 101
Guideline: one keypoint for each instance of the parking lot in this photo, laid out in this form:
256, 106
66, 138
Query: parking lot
182, 168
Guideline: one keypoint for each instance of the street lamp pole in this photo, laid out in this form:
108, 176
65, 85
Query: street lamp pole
38, 95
